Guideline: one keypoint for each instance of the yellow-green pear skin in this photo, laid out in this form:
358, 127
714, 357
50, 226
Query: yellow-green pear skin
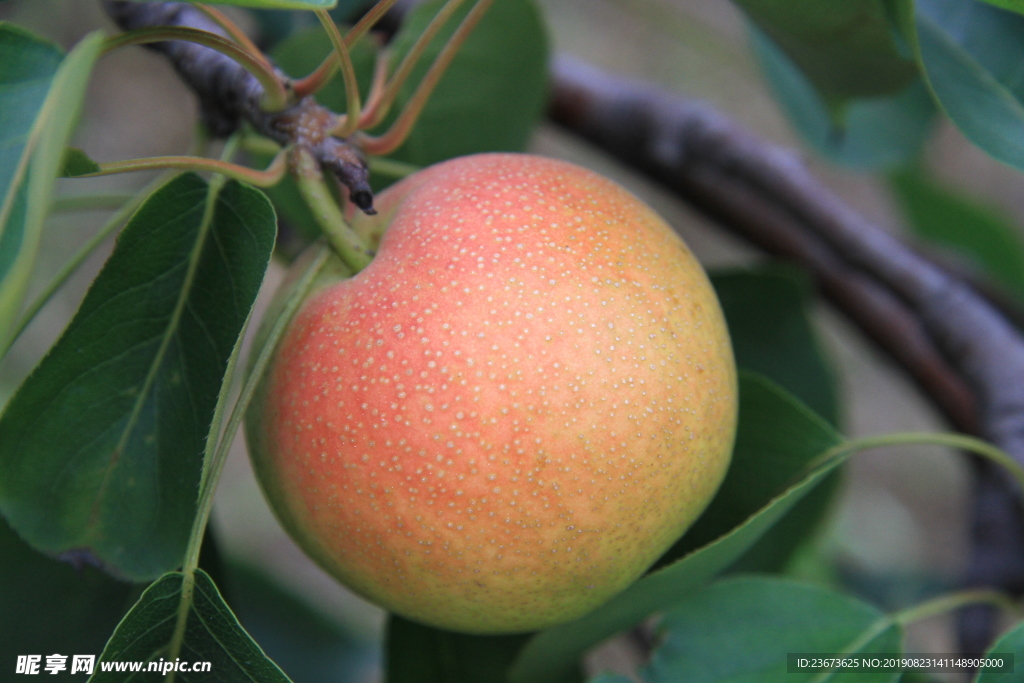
512, 412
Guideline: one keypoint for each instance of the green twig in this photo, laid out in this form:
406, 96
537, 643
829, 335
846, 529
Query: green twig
348, 245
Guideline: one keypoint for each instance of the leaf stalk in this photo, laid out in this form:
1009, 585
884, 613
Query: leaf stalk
265, 178
276, 95
348, 73
403, 125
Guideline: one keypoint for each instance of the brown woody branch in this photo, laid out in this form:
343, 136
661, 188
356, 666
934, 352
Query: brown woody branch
966, 357
228, 95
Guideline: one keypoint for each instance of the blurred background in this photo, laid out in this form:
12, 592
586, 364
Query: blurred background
897, 533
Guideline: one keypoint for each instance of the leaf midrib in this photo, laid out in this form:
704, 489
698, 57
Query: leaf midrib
195, 255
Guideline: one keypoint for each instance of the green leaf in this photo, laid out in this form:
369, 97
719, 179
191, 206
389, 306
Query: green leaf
946, 218
971, 57
494, 92
52, 605
766, 460
846, 48
27, 67
422, 654
308, 646
740, 630
101, 447
916, 677
1011, 642
212, 634
1014, 5
39, 105
776, 439
871, 133
76, 162
767, 310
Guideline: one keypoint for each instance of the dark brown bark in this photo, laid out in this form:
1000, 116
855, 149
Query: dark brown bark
963, 353
228, 95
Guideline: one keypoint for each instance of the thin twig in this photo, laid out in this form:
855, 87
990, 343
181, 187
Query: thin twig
229, 94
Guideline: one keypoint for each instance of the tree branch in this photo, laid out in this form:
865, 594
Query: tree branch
966, 357
228, 94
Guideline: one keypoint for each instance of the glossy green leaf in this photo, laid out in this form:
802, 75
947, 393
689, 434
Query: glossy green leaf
776, 440
212, 634
775, 551
76, 162
846, 48
767, 310
866, 133
52, 606
971, 54
946, 218
27, 67
494, 92
309, 646
1014, 5
740, 630
39, 105
422, 654
101, 447
766, 460
1011, 642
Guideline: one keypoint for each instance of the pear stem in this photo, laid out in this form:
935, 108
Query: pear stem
348, 245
